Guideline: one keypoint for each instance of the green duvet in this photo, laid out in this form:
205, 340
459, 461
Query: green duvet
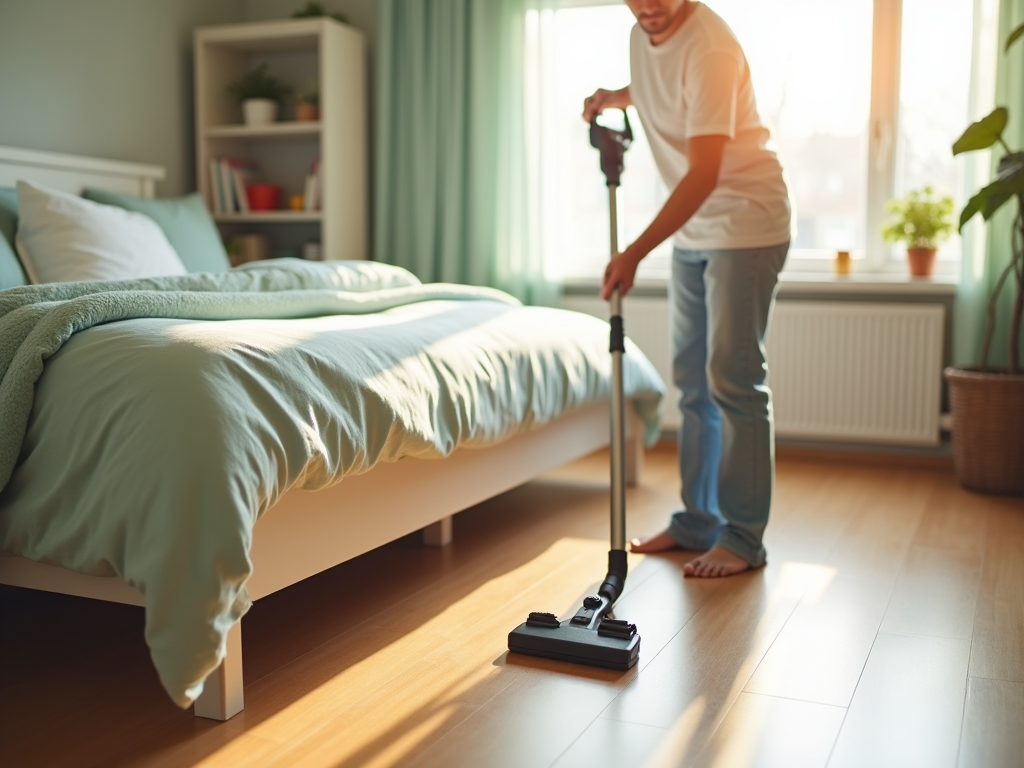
140, 439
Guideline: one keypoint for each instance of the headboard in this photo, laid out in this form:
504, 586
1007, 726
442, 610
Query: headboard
72, 173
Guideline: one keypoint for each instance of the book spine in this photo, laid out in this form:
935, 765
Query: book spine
216, 199
239, 177
228, 184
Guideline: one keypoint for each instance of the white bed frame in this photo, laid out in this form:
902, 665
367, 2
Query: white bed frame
308, 532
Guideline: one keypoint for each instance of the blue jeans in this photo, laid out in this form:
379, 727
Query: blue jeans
721, 300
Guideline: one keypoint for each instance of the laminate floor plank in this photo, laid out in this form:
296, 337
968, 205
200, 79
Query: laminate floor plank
820, 653
875, 542
993, 736
690, 684
908, 707
954, 518
935, 594
770, 732
998, 648
613, 744
807, 527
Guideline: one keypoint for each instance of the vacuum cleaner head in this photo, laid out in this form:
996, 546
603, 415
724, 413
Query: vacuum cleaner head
613, 643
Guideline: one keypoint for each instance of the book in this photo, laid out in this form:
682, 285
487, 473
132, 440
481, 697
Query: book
243, 172
313, 191
216, 194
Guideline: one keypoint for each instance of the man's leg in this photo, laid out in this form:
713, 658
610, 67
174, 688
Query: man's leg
740, 290
698, 525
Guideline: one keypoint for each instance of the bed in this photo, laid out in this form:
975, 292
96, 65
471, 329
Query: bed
306, 474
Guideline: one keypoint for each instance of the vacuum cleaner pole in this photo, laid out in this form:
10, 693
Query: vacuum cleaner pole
618, 432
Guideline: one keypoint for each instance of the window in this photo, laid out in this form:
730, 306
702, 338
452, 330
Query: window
863, 98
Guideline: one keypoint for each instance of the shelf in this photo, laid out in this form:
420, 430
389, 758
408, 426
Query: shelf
282, 130
266, 36
296, 50
275, 217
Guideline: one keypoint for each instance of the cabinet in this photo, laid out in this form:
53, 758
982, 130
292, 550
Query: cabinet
302, 52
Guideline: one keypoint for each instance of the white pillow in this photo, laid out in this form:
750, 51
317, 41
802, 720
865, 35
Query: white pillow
63, 238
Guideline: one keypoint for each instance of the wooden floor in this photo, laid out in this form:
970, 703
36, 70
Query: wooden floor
887, 630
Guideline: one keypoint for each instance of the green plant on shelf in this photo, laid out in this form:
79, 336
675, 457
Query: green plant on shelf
921, 219
310, 95
314, 10
257, 83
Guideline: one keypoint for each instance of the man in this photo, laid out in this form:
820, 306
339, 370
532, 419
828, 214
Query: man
729, 217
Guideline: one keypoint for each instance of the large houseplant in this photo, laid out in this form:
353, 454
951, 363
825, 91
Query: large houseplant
988, 405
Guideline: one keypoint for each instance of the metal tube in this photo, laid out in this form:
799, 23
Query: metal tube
618, 425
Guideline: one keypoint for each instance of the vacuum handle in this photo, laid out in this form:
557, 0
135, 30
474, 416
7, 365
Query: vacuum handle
612, 145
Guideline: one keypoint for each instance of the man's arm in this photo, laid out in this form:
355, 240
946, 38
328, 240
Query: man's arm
705, 159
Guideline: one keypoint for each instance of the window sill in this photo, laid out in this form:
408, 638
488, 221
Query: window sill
794, 284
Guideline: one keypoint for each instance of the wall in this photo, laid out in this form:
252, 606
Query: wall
107, 78
113, 78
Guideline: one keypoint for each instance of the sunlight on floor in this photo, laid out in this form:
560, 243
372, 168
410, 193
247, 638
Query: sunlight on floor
740, 746
373, 714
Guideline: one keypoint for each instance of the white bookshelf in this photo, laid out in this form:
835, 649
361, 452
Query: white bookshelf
298, 51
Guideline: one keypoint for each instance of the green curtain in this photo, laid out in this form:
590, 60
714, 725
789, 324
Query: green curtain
983, 262
451, 195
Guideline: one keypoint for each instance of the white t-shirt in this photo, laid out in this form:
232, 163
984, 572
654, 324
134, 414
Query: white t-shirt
697, 83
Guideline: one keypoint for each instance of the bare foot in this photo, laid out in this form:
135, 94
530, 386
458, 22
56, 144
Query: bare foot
714, 563
660, 543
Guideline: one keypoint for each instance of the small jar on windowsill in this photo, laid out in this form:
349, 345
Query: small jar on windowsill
843, 262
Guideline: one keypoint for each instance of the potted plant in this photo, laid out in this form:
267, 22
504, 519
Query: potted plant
922, 221
307, 105
312, 10
988, 405
260, 95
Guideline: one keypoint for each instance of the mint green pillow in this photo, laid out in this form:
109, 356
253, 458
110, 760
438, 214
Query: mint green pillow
185, 221
11, 273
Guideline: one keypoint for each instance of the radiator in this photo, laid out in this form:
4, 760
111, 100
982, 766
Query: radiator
857, 371
839, 371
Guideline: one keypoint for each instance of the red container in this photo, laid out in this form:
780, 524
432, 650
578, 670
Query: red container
263, 197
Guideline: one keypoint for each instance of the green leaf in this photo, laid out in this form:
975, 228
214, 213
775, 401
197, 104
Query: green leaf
984, 133
989, 200
1010, 166
1018, 32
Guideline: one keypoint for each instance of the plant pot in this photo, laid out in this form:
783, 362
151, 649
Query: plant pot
922, 261
263, 197
306, 112
988, 430
259, 111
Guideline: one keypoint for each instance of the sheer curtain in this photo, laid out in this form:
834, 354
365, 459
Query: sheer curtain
453, 176
998, 78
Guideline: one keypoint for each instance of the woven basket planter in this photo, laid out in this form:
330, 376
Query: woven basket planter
988, 430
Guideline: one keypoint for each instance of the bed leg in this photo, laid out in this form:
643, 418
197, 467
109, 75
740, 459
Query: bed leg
222, 695
438, 534
634, 457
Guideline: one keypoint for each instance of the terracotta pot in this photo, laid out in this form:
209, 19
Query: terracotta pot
306, 112
922, 261
988, 430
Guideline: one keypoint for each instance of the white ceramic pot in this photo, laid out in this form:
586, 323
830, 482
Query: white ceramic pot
259, 111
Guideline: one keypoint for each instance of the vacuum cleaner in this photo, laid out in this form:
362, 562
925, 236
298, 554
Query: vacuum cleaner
592, 636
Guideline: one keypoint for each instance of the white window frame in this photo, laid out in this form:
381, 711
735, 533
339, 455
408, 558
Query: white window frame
883, 117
